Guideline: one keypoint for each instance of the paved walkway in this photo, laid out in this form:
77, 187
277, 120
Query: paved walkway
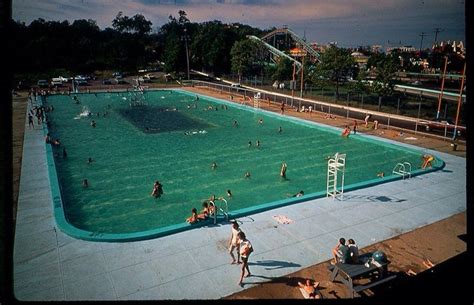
51, 266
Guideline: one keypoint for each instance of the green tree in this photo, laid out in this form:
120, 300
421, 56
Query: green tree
284, 70
243, 57
211, 47
359, 85
174, 33
137, 24
336, 64
385, 73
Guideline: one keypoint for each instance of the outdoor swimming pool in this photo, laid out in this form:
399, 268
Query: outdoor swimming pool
172, 137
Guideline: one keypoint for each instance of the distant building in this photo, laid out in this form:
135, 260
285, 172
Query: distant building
376, 48
405, 49
360, 59
457, 48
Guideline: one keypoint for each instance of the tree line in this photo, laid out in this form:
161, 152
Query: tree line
130, 44
50, 47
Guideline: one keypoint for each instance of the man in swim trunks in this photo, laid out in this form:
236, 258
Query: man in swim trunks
234, 242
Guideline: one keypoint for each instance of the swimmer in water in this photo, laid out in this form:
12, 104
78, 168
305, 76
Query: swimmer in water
283, 170
89, 161
280, 130
214, 165
247, 175
229, 193
85, 183
157, 189
250, 144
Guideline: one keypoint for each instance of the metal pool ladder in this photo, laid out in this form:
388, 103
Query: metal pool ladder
224, 211
403, 169
336, 166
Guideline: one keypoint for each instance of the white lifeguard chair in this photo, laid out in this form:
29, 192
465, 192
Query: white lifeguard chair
256, 100
335, 177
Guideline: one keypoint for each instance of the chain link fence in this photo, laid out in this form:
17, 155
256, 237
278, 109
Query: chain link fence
396, 112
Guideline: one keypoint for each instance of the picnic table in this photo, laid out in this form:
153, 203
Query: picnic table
347, 273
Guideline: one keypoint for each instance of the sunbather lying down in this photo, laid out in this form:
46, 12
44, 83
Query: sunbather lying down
309, 290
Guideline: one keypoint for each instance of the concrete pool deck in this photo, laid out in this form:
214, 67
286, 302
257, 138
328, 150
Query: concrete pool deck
49, 265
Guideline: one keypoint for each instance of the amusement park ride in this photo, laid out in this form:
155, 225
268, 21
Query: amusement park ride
298, 50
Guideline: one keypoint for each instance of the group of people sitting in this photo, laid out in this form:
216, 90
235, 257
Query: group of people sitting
208, 209
346, 253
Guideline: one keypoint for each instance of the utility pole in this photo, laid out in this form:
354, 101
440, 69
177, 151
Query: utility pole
423, 34
437, 30
186, 38
440, 97
302, 78
293, 84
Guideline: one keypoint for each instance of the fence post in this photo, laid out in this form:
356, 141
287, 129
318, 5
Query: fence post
418, 117
380, 103
388, 123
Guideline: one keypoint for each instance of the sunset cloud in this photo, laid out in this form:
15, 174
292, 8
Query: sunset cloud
348, 21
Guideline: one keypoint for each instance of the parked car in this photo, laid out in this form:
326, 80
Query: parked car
150, 76
42, 83
117, 75
81, 82
442, 124
120, 81
144, 79
63, 79
56, 82
106, 82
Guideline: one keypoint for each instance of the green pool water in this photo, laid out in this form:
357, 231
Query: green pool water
174, 138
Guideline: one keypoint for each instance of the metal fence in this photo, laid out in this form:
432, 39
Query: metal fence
355, 107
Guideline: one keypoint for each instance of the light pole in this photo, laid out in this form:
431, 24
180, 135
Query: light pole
186, 38
459, 102
440, 97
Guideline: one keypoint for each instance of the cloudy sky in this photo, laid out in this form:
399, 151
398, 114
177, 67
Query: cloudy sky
349, 22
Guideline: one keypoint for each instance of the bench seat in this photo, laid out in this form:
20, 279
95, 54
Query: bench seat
360, 288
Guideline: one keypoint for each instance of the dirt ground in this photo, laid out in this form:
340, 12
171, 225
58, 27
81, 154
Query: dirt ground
438, 242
